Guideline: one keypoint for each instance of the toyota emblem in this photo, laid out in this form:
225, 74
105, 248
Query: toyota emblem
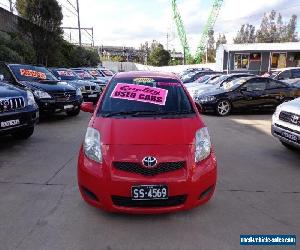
149, 162
295, 119
67, 95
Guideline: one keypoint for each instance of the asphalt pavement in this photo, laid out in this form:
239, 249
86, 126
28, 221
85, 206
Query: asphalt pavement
258, 192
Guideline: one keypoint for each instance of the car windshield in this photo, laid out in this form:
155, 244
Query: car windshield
31, 73
274, 74
107, 72
65, 74
84, 75
217, 80
95, 73
145, 97
233, 84
203, 79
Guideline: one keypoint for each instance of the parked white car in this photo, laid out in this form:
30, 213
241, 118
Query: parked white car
286, 124
288, 75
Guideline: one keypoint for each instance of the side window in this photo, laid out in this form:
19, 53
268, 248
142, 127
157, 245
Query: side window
275, 85
296, 73
255, 85
6, 73
285, 75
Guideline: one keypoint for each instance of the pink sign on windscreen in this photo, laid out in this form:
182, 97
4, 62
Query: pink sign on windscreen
140, 93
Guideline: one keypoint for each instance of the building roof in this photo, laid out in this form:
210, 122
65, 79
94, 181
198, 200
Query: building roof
262, 47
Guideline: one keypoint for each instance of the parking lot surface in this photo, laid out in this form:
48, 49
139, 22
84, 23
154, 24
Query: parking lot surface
258, 192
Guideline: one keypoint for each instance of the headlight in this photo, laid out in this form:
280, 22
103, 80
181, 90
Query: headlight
41, 94
202, 144
207, 99
277, 112
92, 145
78, 92
30, 99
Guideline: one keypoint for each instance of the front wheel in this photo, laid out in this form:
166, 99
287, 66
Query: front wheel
74, 112
23, 134
223, 108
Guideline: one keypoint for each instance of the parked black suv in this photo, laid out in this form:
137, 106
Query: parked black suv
18, 111
90, 90
50, 94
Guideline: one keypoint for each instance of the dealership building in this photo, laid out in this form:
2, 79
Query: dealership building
257, 58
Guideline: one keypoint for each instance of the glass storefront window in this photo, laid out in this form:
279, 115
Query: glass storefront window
241, 61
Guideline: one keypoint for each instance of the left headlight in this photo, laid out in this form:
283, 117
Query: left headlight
30, 99
202, 145
78, 92
207, 98
92, 145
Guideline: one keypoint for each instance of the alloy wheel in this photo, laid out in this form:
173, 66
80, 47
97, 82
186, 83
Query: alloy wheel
223, 108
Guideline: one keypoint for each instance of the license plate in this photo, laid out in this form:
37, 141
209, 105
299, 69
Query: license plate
290, 136
68, 106
10, 123
149, 192
94, 95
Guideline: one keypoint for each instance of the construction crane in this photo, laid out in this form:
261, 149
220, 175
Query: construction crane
181, 31
208, 27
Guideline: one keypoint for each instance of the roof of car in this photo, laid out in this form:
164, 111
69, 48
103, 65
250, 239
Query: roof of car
146, 74
283, 69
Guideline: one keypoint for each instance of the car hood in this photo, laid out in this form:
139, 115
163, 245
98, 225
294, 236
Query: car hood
210, 90
81, 83
49, 86
7, 90
147, 131
291, 106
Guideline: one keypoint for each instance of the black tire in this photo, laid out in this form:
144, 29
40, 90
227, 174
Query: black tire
23, 134
290, 147
223, 108
74, 112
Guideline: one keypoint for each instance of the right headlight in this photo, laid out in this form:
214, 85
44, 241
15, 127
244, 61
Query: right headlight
41, 94
202, 145
92, 145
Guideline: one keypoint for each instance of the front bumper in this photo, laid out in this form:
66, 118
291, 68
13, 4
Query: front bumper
50, 105
28, 117
208, 107
91, 97
278, 130
100, 188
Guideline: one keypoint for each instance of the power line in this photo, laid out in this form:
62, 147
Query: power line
72, 5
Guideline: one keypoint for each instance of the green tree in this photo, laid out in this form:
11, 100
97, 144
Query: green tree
221, 40
246, 34
272, 29
46, 15
159, 56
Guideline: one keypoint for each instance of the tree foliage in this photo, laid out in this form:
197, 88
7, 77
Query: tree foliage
221, 40
246, 34
273, 30
158, 55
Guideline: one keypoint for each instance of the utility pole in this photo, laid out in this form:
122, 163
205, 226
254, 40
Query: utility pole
78, 16
167, 41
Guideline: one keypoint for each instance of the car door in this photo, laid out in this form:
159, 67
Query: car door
252, 93
276, 92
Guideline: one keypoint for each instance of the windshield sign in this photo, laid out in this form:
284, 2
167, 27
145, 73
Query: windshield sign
140, 93
107, 72
84, 75
146, 95
66, 75
31, 73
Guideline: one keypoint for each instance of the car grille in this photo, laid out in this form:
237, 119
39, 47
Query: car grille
289, 117
64, 96
10, 104
138, 168
128, 202
90, 88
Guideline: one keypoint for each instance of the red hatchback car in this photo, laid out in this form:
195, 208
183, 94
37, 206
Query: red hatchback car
146, 149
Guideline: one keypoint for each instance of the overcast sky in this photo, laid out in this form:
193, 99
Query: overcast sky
132, 22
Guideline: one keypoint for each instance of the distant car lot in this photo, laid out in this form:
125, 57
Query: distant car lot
257, 192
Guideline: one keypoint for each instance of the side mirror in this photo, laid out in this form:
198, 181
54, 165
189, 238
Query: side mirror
87, 107
1, 77
198, 106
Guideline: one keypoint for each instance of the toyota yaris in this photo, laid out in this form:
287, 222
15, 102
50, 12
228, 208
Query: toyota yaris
146, 149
